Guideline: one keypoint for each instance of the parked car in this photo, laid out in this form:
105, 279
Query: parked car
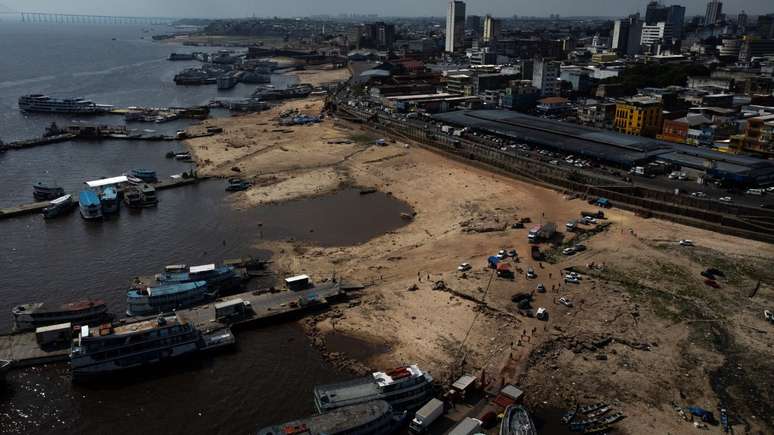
579, 247
725, 198
568, 251
699, 194
542, 314
566, 302
541, 288
589, 220
531, 273
571, 279
464, 267
686, 242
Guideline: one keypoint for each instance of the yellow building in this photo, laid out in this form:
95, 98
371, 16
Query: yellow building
603, 57
641, 116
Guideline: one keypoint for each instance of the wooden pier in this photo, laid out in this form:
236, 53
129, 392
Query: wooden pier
23, 350
37, 207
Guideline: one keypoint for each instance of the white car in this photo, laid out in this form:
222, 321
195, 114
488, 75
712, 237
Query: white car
589, 220
568, 251
699, 194
531, 273
542, 314
502, 254
686, 242
464, 267
725, 198
566, 302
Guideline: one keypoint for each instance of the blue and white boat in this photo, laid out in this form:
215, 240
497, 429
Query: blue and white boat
109, 200
91, 208
168, 297
145, 175
221, 278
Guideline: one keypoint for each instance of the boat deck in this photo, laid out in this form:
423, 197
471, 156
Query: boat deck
24, 351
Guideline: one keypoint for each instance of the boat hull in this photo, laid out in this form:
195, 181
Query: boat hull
85, 368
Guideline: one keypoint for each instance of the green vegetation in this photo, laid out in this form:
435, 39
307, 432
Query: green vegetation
654, 75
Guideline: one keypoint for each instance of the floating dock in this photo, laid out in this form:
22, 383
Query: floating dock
37, 207
23, 349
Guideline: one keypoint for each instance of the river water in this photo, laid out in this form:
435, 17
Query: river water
270, 377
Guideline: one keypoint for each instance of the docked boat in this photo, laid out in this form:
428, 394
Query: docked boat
90, 206
113, 348
44, 192
5, 365
404, 388
146, 175
516, 421
237, 185
220, 279
59, 207
44, 103
133, 197
30, 316
109, 200
371, 418
166, 298
149, 198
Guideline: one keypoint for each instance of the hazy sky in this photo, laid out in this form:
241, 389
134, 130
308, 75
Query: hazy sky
237, 8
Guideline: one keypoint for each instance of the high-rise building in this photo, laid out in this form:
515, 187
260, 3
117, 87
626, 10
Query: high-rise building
491, 29
626, 36
655, 12
676, 19
545, 76
640, 116
714, 12
766, 26
473, 23
659, 33
455, 27
741, 22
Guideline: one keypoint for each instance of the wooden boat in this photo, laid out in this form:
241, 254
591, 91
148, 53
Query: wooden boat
517, 421
59, 207
31, 316
109, 200
237, 185
146, 175
43, 192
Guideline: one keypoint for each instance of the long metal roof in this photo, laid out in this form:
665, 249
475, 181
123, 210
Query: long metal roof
600, 144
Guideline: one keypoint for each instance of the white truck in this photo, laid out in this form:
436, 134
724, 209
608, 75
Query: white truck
426, 416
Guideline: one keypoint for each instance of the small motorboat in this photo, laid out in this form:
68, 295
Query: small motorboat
237, 185
90, 205
109, 200
146, 175
59, 207
184, 157
43, 192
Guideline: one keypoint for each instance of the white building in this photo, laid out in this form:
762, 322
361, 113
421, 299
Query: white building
455, 27
659, 33
545, 76
491, 29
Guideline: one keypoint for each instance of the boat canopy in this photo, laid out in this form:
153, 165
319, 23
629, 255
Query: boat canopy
107, 181
60, 200
203, 268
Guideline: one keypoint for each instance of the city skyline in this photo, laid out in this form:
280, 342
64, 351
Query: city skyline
397, 8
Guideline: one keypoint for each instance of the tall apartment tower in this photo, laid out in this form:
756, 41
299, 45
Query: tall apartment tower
455, 27
545, 76
491, 29
714, 12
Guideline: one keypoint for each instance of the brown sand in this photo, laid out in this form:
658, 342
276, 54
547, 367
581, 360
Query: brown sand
438, 329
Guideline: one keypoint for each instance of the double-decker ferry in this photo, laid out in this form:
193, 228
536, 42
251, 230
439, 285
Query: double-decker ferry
404, 388
44, 103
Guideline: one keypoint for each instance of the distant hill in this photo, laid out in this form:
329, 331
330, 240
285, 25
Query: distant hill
5, 9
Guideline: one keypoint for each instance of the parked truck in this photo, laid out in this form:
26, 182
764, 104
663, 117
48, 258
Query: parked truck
542, 232
426, 416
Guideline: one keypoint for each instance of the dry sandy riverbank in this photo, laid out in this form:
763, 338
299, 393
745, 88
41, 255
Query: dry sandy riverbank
644, 330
